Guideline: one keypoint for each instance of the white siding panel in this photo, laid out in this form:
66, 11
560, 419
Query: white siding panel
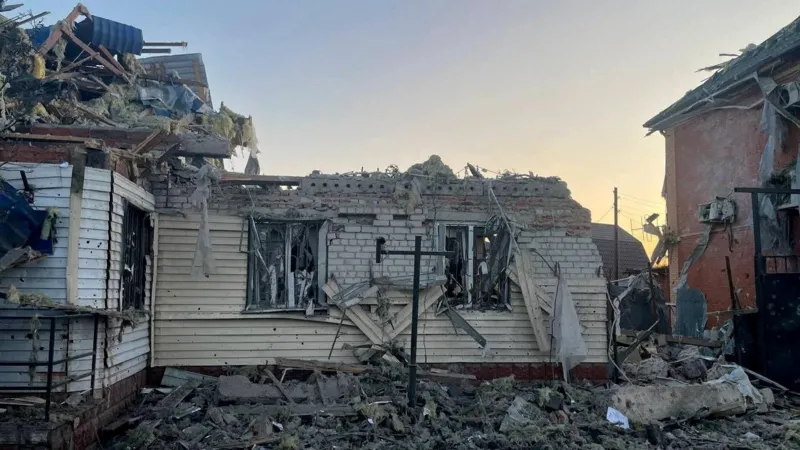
47, 276
200, 321
128, 348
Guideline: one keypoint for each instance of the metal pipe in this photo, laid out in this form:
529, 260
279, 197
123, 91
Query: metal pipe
412, 366
737, 342
156, 50
94, 349
50, 352
166, 44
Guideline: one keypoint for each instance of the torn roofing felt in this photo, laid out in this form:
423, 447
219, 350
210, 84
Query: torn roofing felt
738, 69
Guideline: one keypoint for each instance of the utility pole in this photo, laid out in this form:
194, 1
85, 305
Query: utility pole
417, 253
616, 234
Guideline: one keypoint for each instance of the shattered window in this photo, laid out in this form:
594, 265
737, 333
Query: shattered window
283, 266
137, 245
475, 268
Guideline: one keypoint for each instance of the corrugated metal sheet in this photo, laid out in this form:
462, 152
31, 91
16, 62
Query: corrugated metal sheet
199, 322
189, 66
48, 276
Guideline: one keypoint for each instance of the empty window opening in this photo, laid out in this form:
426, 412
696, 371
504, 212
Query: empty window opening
474, 268
283, 266
137, 247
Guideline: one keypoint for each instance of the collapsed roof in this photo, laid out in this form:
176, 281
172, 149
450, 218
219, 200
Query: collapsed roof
85, 73
746, 67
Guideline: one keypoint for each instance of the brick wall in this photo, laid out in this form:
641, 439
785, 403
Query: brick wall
359, 210
709, 156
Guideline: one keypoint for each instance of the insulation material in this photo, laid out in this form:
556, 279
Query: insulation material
571, 348
203, 262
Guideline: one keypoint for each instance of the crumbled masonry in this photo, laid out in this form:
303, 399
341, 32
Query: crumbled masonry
369, 411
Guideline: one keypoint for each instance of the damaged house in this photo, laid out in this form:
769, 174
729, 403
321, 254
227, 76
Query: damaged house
81, 125
738, 129
274, 267
126, 247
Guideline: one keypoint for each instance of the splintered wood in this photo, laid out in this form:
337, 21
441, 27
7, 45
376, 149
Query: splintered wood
375, 333
521, 272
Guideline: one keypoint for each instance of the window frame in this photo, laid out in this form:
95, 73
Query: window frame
320, 263
141, 253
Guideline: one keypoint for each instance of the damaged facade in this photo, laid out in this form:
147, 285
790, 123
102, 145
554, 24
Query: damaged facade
81, 124
286, 250
739, 129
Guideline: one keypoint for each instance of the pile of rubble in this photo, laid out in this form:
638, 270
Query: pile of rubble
316, 405
86, 73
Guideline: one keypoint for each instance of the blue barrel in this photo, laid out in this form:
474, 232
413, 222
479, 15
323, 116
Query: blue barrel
116, 37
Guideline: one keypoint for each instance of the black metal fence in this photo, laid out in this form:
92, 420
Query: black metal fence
13, 314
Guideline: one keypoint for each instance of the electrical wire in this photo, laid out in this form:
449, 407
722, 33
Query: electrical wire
605, 214
641, 201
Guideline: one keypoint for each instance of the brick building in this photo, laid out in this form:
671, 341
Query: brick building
737, 129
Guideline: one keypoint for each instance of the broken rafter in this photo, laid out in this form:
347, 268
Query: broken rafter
58, 32
96, 116
67, 29
151, 141
110, 57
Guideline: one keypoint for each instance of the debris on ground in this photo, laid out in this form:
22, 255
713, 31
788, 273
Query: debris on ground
312, 405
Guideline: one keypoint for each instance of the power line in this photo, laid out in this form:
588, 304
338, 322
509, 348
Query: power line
642, 201
638, 208
606, 213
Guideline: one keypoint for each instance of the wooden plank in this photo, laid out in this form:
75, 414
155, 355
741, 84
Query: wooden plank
47, 137
530, 295
546, 307
151, 141
402, 319
356, 314
279, 385
327, 366
66, 29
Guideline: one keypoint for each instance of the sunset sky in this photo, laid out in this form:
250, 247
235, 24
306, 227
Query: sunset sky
553, 87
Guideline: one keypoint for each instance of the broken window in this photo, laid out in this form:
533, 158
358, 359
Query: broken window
475, 269
284, 266
137, 245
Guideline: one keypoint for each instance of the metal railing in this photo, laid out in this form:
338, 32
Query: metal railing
50, 363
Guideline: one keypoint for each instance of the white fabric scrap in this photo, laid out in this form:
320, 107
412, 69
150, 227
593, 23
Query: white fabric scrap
203, 262
570, 346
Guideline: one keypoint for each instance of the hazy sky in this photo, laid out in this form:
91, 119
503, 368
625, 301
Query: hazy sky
553, 87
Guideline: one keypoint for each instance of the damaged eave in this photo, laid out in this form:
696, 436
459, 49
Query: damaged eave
184, 144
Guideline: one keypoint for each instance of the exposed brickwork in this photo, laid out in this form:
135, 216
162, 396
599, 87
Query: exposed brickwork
117, 398
359, 210
83, 430
709, 156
